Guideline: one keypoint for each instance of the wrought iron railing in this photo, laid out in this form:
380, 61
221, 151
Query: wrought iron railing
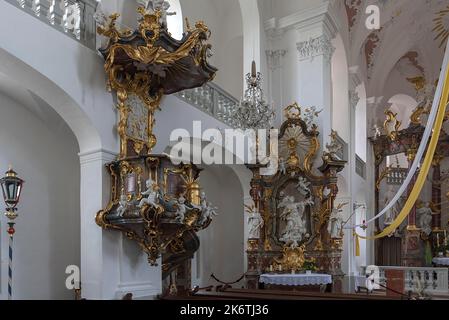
212, 100
73, 17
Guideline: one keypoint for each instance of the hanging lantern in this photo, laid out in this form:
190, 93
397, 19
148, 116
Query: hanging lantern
11, 188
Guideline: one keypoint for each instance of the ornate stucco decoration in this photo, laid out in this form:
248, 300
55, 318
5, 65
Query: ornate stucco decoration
353, 98
315, 47
392, 125
274, 58
441, 27
352, 10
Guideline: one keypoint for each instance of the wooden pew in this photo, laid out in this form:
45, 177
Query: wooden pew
249, 294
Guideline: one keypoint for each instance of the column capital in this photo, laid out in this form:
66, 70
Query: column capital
274, 58
314, 47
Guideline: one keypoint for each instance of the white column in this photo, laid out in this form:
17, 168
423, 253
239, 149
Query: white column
315, 30
94, 197
354, 82
372, 105
275, 82
111, 264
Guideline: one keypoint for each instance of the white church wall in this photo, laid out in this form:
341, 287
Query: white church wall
225, 22
77, 71
361, 120
43, 151
222, 243
340, 98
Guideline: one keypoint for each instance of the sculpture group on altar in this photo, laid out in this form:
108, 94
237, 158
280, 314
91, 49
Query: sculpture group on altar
293, 213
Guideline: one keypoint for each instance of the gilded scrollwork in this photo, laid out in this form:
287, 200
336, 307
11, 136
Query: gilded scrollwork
138, 69
141, 67
391, 120
298, 190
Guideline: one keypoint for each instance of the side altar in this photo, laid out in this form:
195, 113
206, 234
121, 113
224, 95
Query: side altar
295, 224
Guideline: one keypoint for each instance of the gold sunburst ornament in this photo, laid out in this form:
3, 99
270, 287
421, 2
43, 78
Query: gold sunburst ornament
294, 145
442, 26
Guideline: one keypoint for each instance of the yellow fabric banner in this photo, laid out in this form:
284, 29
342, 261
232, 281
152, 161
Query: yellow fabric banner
424, 168
357, 245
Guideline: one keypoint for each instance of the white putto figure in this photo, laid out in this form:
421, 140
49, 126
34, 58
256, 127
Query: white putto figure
123, 206
425, 218
333, 147
100, 17
282, 166
310, 114
335, 225
393, 212
152, 5
303, 186
207, 212
182, 209
293, 213
151, 196
255, 224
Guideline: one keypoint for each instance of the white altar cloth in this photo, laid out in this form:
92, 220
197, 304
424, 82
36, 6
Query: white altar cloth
441, 261
296, 279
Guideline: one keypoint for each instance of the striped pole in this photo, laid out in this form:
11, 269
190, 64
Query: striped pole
11, 232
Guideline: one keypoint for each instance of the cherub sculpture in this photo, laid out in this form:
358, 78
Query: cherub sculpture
158, 5
310, 114
333, 147
100, 17
303, 186
123, 206
152, 196
203, 202
282, 166
377, 131
336, 223
181, 209
425, 218
255, 222
207, 213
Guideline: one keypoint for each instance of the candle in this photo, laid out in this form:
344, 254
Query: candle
438, 239
271, 268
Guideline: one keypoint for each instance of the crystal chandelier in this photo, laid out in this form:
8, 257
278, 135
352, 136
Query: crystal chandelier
254, 112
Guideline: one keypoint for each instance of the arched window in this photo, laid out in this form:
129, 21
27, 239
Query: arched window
175, 22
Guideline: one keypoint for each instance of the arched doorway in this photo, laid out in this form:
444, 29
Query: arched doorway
44, 151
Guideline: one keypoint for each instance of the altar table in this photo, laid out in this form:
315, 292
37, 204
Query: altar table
441, 261
302, 281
